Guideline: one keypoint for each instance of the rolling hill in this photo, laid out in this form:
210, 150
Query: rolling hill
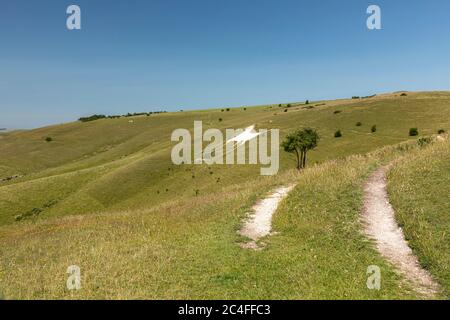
104, 195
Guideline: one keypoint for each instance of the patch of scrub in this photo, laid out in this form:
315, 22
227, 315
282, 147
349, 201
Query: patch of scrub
259, 222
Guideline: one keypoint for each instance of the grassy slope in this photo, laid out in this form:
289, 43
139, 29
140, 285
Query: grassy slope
419, 188
112, 164
188, 248
139, 242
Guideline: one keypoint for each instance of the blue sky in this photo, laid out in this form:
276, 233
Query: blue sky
133, 56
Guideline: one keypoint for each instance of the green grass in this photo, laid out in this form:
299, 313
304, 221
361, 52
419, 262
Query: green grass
112, 164
189, 248
136, 226
419, 188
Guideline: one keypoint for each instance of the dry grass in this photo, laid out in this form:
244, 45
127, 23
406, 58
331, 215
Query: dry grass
419, 188
189, 248
133, 223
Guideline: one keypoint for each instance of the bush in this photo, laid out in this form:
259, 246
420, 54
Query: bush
220, 119
307, 102
49, 139
374, 128
423, 141
403, 95
288, 105
337, 111
338, 134
358, 124
33, 212
285, 110
246, 109
228, 109
441, 131
92, 118
413, 132
222, 110
355, 97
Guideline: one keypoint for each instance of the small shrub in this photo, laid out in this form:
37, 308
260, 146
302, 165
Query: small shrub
30, 213
358, 124
285, 110
338, 134
441, 131
222, 110
49, 139
228, 109
337, 111
220, 119
422, 142
288, 105
279, 105
413, 132
307, 102
403, 95
246, 109
374, 128
355, 97
50, 203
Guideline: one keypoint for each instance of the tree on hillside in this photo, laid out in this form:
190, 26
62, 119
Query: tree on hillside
300, 142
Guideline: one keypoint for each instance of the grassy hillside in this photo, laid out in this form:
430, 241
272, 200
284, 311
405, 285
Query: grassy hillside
188, 248
115, 164
104, 195
419, 187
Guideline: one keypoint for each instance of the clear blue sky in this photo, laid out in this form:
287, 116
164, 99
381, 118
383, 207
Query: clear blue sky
148, 55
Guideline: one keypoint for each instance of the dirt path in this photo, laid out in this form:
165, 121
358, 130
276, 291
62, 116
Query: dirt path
259, 223
380, 225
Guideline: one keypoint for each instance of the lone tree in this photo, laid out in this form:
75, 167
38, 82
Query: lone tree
300, 142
